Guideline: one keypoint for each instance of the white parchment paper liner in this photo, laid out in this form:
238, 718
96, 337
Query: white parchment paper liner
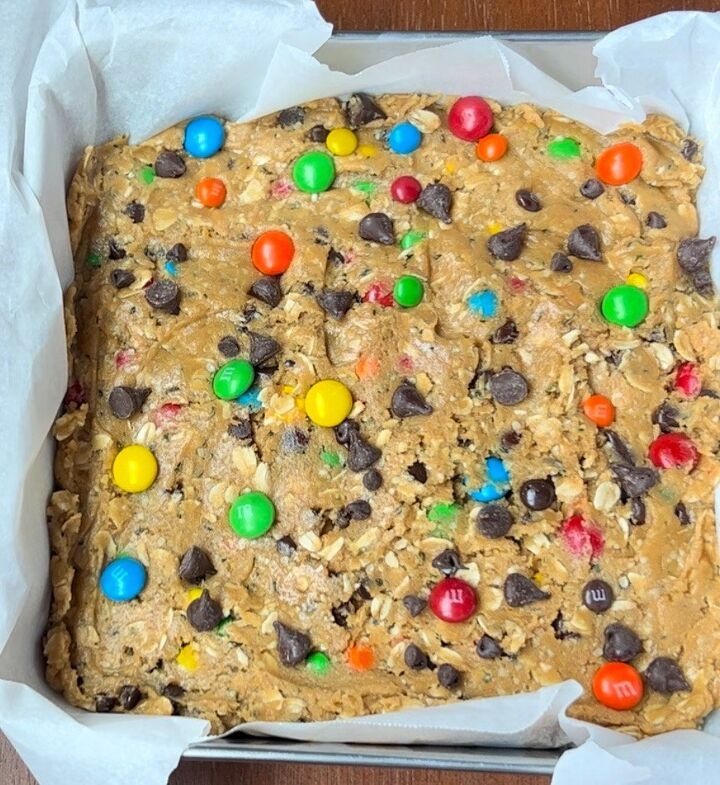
78, 73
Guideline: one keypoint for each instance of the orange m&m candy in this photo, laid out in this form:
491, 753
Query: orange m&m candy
618, 685
367, 366
600, 410
272, 252
360, 657
619, 164
491, 147
211, 192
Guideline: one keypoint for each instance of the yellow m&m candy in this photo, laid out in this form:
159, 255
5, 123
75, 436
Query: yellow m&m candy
637, 279
187, 658
134, 469
341, 141
328, 403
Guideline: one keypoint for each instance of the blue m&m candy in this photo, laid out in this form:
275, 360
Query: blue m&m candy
496, 470
123, 579
497, 485
484, 303
404, 138
204, 136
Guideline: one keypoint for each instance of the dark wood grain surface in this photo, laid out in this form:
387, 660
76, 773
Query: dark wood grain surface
409, 15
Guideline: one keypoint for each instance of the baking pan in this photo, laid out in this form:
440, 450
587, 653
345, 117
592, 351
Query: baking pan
568, 58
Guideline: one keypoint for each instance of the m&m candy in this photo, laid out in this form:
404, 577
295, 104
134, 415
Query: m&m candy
491, 147
452, 600
134, 469
563, 148
405, 189
687, 380
187, 658
204, 136
484, 303
411, 238
272, 252
328, 402
360, 657
313, 172
404, 138
233, 379
618, 685
211, 192
498, 482
341, 141
470, 118
318, 662
625, 305
600, 410
637, 279
674, 451
251, 515
123, 579
619, 164
408, 291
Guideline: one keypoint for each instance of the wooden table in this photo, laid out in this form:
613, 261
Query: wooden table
410, 15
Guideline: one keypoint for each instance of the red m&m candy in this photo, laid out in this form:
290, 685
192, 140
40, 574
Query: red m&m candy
453, 600
687, 380
405, 189
674, 451
470, 118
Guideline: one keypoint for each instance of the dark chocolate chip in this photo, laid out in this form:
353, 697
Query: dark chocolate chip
372, 480
561, 263
509, 440
318, 133
294, 115
341, 613
598, 595
494, 521
294, 441
635, 481
105, 703
418, 471
204, 613
177, 253
537, 494
681, 511
693, 255
584, 243
361, 454
336, 302
488, 648
528, 200
164, 295
377, 228
508, 387
346, 432
361, 109
638, 513
621, 643
115, 252
135, 212
242, 429
448, 676
262, 348
408, 402
592, 188
560, 628
655, 220
169, 164
335, 257
126, 401
627, 197
173, 691
666, 416
620, 447
228, 346
286, 546
506, 333
416, 658
707, 393
195, 565
689, 149
267, 290
321, 235
359, 510
665, 676
415, 605
519, 591
129, 697
293, 645
448, 562
121, 279
508, 244
436, 199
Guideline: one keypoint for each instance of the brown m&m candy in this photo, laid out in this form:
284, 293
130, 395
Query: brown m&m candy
597, 596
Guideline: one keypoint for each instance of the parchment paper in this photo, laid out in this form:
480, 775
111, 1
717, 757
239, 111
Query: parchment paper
77, 73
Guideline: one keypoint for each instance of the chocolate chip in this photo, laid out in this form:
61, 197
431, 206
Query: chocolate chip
693, 255
655, 220
164, 295
346, 432
666, 416
195, 565
242, 429
121, 279
408, 402
415, 605
105, 703
341, 613
707, 393
592, 188
177, 253
361, 454
448, 562
621, 643
561, 263
293, 645
262, 348
359, 510
173, 691
294, 115
689, 149
135, 212
267, 290
506, 333
448, 676
336, 302
228, 346
626, 197
286, 546
372, 479
361, 109
377, 228
620, 447
665, 676
169, 164
508, 387
634, 480
682, 514
598, 595
508, 244
294, 441
528, 200
321, 235
436, 200
318, 133
584, 243
494, 521
418, 471
519, 591
129, 697
415, 658
638, 513
537, 494
335, 257
115, 252
488, 648
560, 628
204, 613
126, 401
509, 440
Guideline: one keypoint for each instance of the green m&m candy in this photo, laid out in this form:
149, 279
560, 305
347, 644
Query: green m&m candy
564, 148
408, 291
314, 172
625, 305
318, 663
411, 238
251, 515
233, 379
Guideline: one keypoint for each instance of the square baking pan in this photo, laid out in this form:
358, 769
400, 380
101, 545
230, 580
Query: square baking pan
568, 58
